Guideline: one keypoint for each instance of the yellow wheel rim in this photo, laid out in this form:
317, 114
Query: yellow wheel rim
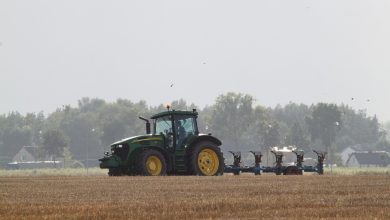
154, 165
208, 162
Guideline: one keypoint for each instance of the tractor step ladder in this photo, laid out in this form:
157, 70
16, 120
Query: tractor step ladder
180, 164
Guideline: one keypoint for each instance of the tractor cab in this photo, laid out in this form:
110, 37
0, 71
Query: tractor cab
176, 126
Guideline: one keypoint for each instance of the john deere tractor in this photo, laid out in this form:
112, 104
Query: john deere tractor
175, 147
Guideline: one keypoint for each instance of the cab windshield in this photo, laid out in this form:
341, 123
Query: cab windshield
163, 125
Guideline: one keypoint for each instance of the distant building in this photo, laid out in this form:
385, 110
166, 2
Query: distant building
27, 153
346, 153
29, 157
368, 159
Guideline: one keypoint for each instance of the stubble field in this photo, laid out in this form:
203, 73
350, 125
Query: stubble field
192, 197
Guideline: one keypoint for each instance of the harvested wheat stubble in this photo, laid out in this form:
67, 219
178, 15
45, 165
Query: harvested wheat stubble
192, 197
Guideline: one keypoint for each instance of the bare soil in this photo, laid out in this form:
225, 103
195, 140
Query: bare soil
193, 197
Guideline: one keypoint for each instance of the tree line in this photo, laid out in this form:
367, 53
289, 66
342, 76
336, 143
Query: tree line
85, 131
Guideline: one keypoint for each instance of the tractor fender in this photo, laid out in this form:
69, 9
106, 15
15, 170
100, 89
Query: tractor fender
159, 149
204, 137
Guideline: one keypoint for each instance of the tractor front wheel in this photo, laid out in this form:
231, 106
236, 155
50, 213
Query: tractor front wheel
205, 159
151, 163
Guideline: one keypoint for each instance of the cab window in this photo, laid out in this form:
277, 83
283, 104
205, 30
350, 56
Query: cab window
188, 124
163, 125
184, 126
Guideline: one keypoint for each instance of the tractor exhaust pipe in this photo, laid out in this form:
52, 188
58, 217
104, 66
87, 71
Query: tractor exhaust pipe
147, 124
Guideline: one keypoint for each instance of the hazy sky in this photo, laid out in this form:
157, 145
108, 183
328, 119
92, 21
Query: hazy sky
306, 51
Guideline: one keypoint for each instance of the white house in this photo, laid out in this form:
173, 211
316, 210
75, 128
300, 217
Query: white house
29, 158
346, 153
27, 153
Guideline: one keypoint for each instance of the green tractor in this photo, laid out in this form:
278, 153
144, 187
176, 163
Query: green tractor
175, 147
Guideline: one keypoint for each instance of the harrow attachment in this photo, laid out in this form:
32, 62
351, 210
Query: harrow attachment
236, 168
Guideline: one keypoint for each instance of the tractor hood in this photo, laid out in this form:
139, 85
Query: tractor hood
129, 139
121, 150
138, 139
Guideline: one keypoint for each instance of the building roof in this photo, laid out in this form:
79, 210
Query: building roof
372, 157
350, 149
33, 150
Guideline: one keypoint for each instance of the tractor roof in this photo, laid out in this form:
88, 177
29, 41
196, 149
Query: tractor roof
174, 112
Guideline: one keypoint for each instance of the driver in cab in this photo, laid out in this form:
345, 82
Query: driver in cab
181, 133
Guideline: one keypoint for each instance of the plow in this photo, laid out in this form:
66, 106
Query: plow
174, 146
296, 169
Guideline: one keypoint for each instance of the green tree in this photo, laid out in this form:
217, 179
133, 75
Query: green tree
68, 157
291, 117
256, 134
54, 143
296, 137
231, 118
357, 129
80, 127
272, 136
36, 124
86, 104
14, 134
324, 124
112, 131
291, 113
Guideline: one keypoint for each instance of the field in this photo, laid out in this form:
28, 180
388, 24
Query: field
97, 196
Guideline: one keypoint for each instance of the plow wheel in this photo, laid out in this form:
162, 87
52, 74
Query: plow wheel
292, 170
205, 159
151, 163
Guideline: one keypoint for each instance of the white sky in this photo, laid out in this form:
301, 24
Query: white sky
305, 51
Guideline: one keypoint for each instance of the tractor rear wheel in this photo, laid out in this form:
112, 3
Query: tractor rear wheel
205, 159
151, 163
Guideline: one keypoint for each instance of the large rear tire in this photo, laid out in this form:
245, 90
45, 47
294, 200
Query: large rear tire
151, 163
205, 159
